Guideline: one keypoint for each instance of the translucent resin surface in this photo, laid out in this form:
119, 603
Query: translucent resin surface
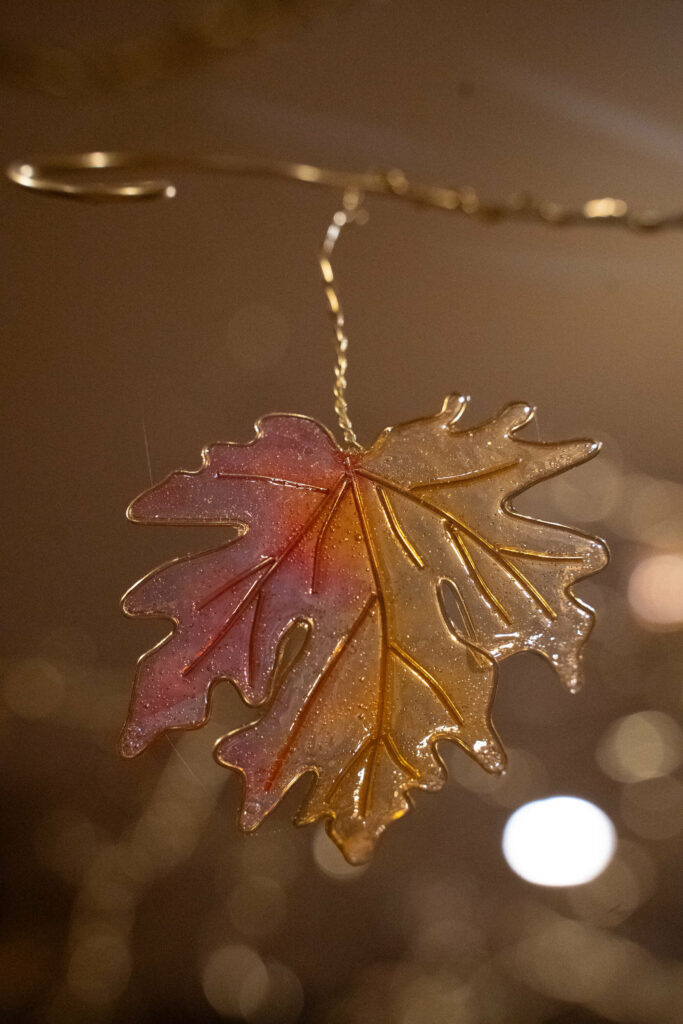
412, 576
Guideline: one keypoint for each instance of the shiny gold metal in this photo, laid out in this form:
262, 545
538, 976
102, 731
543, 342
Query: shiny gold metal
352, 213
59, 175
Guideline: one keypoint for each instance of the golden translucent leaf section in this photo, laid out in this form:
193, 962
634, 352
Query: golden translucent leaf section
413, 577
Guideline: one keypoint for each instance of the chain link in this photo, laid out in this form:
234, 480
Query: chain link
352, 213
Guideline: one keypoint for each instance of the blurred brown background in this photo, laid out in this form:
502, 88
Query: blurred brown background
140, 333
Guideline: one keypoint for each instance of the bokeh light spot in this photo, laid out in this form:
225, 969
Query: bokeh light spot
625, 884
34, 689
653, 809
240, 985
559, 841
655, 591
645, 745
331, 861
283, 1000
235, 980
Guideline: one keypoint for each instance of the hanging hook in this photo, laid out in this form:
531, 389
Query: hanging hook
52, 175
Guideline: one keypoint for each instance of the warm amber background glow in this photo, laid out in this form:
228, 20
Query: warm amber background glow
134, 335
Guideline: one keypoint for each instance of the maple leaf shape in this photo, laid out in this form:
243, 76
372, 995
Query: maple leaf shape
413, 577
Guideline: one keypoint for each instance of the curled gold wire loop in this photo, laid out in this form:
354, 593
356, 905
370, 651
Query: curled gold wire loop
63, 175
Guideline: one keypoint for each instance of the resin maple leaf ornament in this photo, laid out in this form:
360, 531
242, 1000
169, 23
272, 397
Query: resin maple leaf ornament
413, 577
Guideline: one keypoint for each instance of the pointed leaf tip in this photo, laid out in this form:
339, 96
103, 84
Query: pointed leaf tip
515, 416
453, 407
131, 742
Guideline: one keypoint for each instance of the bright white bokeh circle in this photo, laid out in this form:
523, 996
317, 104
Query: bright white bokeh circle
559, 841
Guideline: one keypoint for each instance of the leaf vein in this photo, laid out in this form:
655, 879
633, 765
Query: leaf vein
426, 677
464, 478
471, 567
397, 529
492, 549
280, 481
249, 596
303, 711
323, 529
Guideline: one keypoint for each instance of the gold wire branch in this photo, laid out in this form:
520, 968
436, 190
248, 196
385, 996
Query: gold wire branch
53, 175
62, 176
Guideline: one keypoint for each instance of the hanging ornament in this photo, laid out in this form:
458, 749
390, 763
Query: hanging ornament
410, 573
405, 566
413, 577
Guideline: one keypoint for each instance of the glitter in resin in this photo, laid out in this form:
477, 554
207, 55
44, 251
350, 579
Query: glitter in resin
413, 577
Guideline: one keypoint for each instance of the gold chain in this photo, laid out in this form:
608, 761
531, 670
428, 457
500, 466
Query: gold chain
56, 175
353, 213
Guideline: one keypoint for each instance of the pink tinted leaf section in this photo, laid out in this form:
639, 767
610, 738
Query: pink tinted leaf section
232, 605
